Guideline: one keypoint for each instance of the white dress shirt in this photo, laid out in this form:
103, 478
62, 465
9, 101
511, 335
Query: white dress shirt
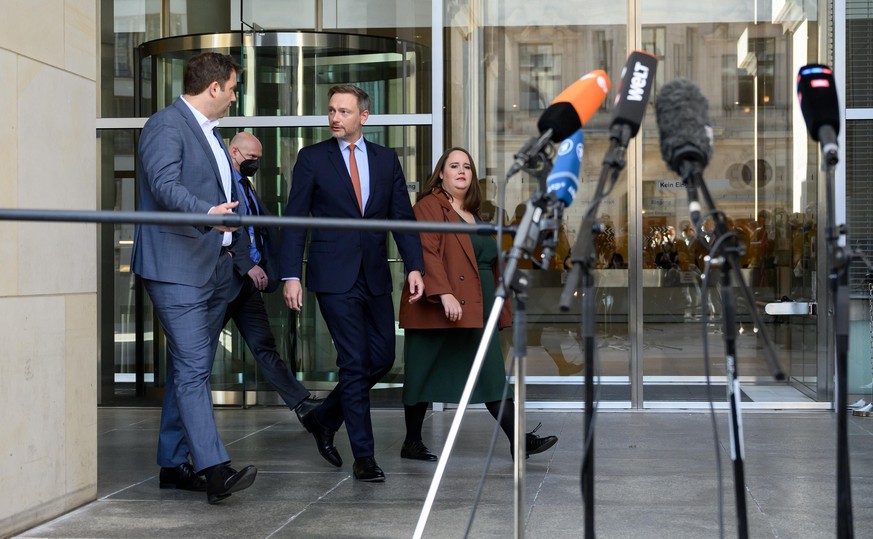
208, 126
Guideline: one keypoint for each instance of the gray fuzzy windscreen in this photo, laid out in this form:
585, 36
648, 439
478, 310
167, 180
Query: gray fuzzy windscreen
682, 113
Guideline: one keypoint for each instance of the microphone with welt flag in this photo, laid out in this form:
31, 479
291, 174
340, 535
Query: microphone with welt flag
569, 111
637, 79
817, 94
682, 113
628, 112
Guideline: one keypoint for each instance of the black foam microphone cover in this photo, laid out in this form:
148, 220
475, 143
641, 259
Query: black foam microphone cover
817, 94
561, 118
682, 113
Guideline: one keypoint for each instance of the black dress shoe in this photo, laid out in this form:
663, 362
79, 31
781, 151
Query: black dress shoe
365, 469
323, 436
182, 477
537, 444
222, 481
534, 444
305, 407
417, 451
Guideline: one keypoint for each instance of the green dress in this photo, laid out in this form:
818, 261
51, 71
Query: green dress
437, 361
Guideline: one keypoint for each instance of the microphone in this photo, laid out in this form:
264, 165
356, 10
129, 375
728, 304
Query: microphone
575, 105
637, 79
682, 113
563, 181
569, 111
561, 186
817, 94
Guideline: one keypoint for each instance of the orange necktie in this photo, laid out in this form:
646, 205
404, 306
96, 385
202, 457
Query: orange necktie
356, 180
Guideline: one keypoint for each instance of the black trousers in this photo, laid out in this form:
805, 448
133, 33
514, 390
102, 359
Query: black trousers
249, 314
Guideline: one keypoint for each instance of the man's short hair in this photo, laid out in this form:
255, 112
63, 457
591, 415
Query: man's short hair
362, 96
206, 68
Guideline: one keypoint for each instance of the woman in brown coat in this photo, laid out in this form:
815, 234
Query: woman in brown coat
443, 331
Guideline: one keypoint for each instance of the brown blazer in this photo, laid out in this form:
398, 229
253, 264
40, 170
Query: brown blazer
449, 268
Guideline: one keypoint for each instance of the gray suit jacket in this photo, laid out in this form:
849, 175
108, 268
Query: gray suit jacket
177, 172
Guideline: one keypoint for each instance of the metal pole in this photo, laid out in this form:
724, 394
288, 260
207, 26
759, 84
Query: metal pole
520, 450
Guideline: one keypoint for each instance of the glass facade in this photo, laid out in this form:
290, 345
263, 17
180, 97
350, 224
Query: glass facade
763, 175
497, 66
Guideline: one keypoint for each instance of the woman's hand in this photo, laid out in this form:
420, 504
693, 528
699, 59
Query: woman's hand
451, 306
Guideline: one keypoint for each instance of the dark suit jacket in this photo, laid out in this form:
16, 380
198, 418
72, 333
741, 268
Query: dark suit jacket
178, 172
450, 267
321, 187
271, 238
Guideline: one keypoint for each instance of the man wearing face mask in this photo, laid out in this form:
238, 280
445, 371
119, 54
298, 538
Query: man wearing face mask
247, 309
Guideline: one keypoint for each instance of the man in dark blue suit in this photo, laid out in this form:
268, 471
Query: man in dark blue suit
247, 310
188, 271
348, 177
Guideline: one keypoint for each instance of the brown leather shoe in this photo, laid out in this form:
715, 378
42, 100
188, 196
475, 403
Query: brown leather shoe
182, 477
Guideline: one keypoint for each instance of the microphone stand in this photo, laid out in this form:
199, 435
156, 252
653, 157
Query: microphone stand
525, 243
583, 257
527, 238
725, 251
839, 258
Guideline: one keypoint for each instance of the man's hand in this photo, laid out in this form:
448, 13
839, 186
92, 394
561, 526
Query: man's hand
223, 209
293, 294
416, 286
258, 276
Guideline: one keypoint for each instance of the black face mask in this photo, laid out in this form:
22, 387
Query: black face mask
248, 167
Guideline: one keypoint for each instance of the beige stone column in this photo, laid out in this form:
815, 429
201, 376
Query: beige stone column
48, 271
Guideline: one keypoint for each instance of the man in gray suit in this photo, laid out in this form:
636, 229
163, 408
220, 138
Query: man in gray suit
188, 270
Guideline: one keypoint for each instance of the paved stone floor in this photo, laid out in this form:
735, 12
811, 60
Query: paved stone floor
655, 477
